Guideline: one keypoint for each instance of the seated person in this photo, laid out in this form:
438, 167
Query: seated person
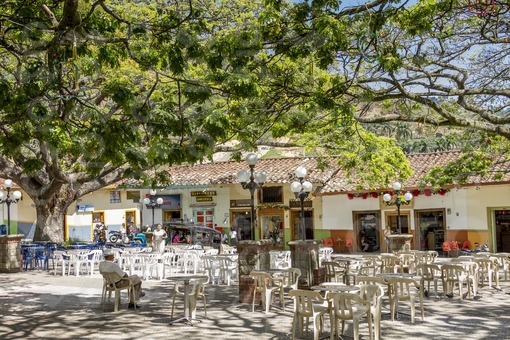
109, 266
175, 239
364, 243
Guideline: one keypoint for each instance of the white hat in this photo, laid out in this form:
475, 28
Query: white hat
107, 252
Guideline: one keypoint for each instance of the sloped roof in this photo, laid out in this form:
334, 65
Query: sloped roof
279, 170
332, 180
421, 164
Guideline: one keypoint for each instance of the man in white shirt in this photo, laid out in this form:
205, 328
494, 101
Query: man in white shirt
233, 236
109, 266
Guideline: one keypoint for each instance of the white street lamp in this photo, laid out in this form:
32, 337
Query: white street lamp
9, 198
153, 203
397, 199
301, 190
251, 180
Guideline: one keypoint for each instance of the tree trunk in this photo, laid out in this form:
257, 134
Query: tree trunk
51, 216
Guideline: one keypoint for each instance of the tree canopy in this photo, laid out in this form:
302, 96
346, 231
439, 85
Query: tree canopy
96, 91
441, 64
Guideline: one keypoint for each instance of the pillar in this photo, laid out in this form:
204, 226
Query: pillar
10, 253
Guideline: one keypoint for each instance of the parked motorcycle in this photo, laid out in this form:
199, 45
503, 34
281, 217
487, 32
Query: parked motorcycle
478, 248
114, 236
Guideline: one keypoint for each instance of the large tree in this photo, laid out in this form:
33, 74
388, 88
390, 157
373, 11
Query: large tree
92, 92
96, 91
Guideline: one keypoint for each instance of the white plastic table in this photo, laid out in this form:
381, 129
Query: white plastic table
186, 280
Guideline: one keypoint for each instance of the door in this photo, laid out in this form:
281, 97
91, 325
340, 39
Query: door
241, 219
391, 220
430, 229
295, 222
272, 227
204, 217
501, 234
130, 217
367, 231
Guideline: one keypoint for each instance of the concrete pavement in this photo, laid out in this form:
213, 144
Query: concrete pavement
37, 304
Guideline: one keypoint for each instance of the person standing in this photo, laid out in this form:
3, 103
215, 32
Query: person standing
159, 239
233, 236
97, 232
387, 233
123, 233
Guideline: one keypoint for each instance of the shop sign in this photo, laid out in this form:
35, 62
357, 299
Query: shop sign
204, 199
240, 203
203, 193
297, 203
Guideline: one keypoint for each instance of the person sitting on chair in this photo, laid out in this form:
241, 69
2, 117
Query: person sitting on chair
364, 242
109, 266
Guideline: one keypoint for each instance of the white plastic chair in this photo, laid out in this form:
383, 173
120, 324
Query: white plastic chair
284, 260
308, 304
429, 273
79, 259
348, 306
266, 286
325, 254
453, 274
169, 261
487, 269
373, 294
335, 272
114, 282
149, 263
212, 268
401, 291
228, 270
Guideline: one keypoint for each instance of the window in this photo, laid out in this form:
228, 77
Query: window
114, 196
272, 195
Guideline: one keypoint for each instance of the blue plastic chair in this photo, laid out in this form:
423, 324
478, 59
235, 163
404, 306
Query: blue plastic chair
29, 257
42, 255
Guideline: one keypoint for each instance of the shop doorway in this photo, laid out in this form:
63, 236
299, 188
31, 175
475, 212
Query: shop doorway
501, 231
367, 230
242, 221
204, 217
391, 220
430, 229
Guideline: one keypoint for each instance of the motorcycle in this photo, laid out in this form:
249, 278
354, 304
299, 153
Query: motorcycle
114, 236
478, 248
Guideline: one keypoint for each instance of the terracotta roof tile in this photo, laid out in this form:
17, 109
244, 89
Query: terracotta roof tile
331, 180
279, 170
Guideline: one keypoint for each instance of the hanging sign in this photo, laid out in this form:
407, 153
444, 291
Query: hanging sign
240, 203
297, 203
203, 193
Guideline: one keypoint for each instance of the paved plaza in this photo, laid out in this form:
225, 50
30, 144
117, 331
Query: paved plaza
37, 304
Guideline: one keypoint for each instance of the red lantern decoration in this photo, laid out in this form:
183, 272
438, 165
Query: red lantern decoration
428, 192
364, 196
441, 192
375, 195
416, 192
350, 196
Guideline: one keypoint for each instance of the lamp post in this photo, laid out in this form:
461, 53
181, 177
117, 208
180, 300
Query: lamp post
151, 203
301, 190
252, 181
14, 198
398, 200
